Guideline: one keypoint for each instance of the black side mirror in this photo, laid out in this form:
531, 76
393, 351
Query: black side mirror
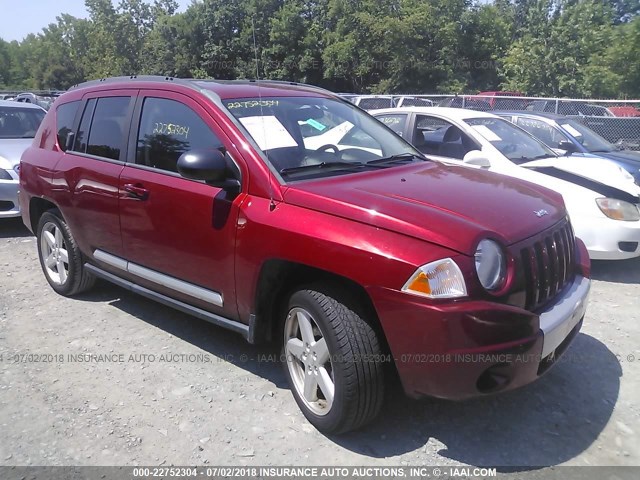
567, 146
207, 165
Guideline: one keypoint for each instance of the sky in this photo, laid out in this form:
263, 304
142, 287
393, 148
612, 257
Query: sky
19, 18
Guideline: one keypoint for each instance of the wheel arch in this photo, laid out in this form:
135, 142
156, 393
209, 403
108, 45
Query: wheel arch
38, 206
279, 278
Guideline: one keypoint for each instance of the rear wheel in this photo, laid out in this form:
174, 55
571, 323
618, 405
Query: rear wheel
333, 361
60, 257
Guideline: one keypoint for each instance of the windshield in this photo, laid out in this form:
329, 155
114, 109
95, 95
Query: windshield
511, 141
309, 137
587, 137
19, 122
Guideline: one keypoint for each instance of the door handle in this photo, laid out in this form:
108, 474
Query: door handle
136, 191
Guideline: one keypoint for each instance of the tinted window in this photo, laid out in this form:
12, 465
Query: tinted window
19, 122
375, 102
106, 135
65, 114
167, 130
80, 144
587, 137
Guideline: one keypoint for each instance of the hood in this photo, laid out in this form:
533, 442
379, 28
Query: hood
595, 173
629, 159
11, 149
452, 206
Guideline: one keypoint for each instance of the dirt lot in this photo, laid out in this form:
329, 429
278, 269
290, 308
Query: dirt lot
180, 391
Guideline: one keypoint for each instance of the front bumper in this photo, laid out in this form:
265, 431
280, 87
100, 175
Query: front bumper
608, 239
465, 349
9, 206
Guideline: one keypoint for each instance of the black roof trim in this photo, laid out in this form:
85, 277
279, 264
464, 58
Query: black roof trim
188, 82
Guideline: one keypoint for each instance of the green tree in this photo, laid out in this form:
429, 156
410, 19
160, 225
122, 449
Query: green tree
555, 50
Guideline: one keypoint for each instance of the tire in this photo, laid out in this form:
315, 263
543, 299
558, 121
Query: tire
351, 362
55, 245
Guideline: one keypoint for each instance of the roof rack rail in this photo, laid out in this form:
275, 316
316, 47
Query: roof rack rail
188, 82
141, 78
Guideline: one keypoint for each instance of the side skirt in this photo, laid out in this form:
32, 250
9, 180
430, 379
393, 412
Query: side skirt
247, 331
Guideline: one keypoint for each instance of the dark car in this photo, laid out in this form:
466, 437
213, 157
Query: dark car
360, 258
466, 102
504, 100
568, 107
568, 134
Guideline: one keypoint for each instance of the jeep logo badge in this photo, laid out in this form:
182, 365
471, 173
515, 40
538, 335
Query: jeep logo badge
540, 213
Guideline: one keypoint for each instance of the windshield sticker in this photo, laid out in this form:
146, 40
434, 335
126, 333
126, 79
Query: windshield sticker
315, 124
268, 132
170, 129
571, 130
487, 133
253, 104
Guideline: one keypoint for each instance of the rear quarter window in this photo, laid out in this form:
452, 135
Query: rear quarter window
65, 114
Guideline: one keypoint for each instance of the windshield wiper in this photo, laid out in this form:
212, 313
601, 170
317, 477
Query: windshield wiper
401, 157
524, 159
323, 165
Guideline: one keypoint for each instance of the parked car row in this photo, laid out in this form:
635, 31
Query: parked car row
43, 99
602, 198
440, 249
576, 139
494, 100
18, 125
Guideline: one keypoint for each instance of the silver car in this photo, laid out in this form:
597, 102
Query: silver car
19, 123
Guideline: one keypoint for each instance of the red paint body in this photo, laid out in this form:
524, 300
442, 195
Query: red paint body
374, 228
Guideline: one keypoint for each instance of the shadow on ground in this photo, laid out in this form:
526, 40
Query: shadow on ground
617, 271
210, 338
13, 227
546, 423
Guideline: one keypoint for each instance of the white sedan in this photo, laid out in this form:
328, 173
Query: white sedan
601, 198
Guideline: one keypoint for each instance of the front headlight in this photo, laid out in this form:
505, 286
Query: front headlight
491, 265
618, 209
439, 279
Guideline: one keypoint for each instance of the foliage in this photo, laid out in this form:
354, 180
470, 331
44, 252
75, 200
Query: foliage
550, 47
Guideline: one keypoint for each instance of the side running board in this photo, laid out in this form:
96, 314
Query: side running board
247, 331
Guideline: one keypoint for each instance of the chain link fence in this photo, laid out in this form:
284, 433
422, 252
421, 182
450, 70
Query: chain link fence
618, 121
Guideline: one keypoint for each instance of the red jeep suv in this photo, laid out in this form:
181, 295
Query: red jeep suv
282, 212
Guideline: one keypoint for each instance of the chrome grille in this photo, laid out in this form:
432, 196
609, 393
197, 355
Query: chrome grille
548, 262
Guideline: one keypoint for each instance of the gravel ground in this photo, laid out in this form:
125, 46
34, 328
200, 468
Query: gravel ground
184, 392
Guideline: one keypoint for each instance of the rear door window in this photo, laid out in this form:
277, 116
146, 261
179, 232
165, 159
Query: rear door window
80, 144
106, 136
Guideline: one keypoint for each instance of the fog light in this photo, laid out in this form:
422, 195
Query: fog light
494, 378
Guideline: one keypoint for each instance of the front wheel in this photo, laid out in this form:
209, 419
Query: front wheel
333, 362
60, 257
